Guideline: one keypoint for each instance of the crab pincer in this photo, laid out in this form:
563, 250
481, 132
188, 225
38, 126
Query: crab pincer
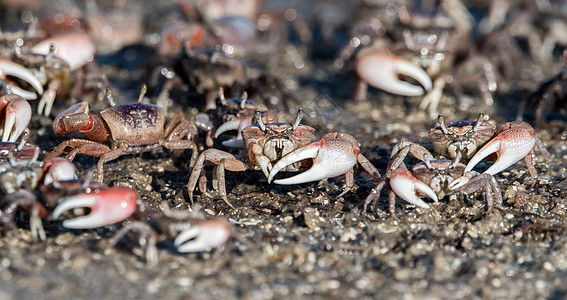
333, 155
107, 207
10, 68
15, 115
203, 236
512, 142
407, 187
381, 69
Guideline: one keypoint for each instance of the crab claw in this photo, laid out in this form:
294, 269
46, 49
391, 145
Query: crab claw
15, 113
59, 169
9, 68
513, 142
381, 69
407, 187
228, 126
75, 48
107, 207
331, 157
203, 236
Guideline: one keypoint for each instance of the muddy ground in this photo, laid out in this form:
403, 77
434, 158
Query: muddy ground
303, 241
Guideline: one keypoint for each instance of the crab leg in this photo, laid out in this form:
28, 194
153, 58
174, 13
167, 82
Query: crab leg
9, 68
16, 112
204, 236
331, 157
514, 142
381, 69
107, 207
407, 187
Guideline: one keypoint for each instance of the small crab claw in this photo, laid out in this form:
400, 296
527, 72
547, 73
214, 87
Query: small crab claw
381, 69
228, 126
406, 186
9, 68
107, 207
510, 146
203, 236
15, 113
331, 157
59, 169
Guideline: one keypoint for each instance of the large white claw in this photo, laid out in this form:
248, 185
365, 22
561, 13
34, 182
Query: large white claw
381, 69
9, 68
406, 186
510, 146
75, 48
238, 142
331, 157
17, 115
203, 236
107, 207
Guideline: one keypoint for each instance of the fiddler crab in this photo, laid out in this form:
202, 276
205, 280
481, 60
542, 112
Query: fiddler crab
48, 64
275, 147
231, 114
121, 129
190, 231
460, 141
38, 187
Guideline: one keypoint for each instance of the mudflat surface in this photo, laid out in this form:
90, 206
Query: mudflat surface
303, 241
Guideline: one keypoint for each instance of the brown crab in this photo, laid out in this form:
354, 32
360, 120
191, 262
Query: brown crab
121, 129
433, 178
265, 144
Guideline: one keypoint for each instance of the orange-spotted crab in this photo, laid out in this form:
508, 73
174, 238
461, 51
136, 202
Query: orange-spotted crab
121, 129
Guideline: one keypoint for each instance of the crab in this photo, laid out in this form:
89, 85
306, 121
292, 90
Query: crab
19, 181
190, 231
265, 144
15, 115
121, 129
231, 114
433, 178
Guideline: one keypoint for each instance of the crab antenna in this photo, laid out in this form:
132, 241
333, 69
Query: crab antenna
258, 117
478, 122
457, 160
143, 91
110, 98
427, 161
441, 121
298, 118
243, 99
222, 97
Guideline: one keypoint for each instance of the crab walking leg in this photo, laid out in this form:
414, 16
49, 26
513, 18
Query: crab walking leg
204, 236
17, 115
381, 69
331, 157
406, 186
510, 145
8, 68
107, 207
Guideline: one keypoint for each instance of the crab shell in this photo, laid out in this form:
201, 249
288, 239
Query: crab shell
461, 136
135, 124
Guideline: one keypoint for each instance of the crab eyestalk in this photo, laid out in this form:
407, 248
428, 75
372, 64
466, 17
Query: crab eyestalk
243, 99
259, 121
143, 91
427, 161
298, 119
442, 124
109, 97
478, 122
